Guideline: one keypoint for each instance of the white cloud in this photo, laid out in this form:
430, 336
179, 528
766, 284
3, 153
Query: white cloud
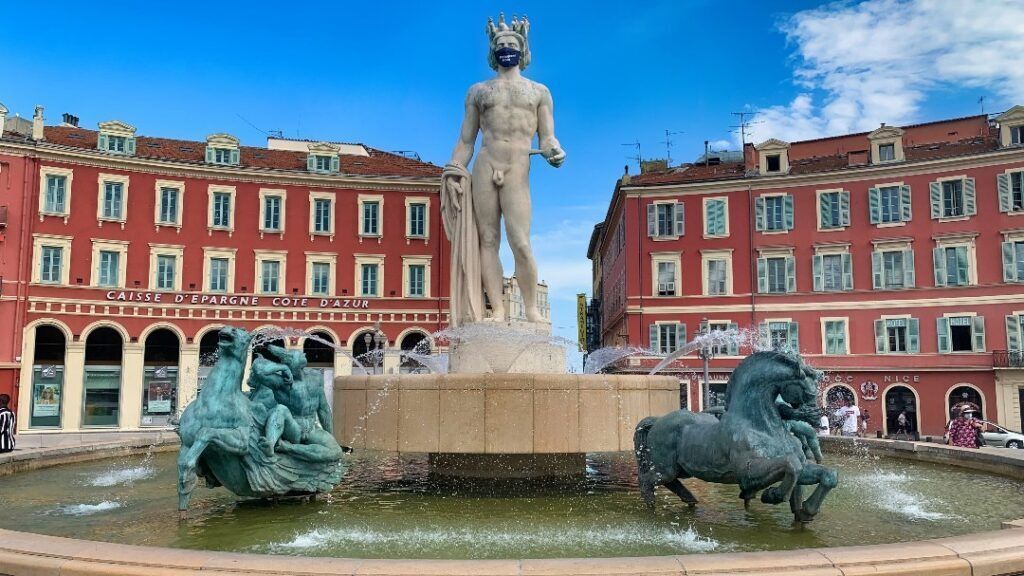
878, 60
719, 145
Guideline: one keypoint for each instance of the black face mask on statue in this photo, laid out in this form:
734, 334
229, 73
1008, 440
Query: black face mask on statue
507, 56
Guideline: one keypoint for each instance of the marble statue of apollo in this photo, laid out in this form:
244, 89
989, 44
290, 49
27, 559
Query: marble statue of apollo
508, 110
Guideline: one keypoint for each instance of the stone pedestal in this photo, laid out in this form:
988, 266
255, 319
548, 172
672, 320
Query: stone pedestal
505, 348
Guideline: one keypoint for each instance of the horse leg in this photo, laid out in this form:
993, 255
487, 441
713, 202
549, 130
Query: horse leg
678, 489
187, 480
647, 483
747, 496
826, 479
761, 473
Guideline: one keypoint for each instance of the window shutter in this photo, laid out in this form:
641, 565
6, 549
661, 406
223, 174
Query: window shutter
913, 335
788, 208
759, 214
678, 213
734, 347
942, 330
935, 191
762, 275
939, 260
909, 276
847, 271
234, 157
101, 142
209, 155
1005, 200
652, 220
1013, 333
680, 336
335, 164
794, 337
970, 198
963, 273
1009, 262
906, 206
762, 336
979, 333
824, 210
790, 274
129, 146
819, 280
875, 205
654, 339
311, 162
880, 343
876, 270
841, 338
844, 208
704, 324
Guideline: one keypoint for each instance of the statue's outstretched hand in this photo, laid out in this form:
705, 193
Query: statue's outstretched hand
555, 156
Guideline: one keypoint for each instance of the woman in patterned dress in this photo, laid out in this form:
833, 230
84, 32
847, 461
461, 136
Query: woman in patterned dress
963, 430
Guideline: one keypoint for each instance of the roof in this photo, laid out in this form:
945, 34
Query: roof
689, 173
378, 163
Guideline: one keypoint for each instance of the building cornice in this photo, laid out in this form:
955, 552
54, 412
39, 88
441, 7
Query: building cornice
96, 159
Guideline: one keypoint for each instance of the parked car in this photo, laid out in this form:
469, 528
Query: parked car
996, 435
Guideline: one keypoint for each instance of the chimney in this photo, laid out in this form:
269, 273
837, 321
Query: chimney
37, 124
3, 119
69, 120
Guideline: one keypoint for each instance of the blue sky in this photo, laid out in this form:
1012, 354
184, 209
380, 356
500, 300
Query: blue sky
393, 75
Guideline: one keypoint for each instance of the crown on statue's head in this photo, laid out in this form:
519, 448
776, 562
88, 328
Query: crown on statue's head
520, 26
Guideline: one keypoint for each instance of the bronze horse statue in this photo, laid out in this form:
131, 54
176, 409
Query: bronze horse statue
751, 445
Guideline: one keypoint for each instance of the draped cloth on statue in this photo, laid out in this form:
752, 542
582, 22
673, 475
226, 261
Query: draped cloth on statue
466, 301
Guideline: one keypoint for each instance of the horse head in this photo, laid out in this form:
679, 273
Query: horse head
765, 375
295, 360
233, 343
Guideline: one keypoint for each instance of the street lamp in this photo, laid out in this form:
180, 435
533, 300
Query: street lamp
706, 352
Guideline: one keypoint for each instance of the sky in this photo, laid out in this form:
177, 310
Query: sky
394, 75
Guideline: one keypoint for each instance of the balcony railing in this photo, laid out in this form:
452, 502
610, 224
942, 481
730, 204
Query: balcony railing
1008, 358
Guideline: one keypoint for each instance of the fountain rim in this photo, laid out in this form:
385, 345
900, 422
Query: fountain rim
990, 552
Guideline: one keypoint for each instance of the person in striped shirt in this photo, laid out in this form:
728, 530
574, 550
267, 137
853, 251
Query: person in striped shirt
6, 424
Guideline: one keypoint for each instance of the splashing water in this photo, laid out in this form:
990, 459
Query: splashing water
123, 476
87, 509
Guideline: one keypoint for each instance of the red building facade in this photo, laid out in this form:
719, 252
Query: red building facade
122, 256
893, 260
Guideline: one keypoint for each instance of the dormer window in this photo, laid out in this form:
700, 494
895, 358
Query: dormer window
886, 144
222, 149
773, 163
323, 157
773, 157
1017, 135
886, 152
1011, 127
116, 137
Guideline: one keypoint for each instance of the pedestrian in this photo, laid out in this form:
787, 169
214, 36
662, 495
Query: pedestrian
823, 425
850, 414
963, 430
901, 424
865, 418
7, 421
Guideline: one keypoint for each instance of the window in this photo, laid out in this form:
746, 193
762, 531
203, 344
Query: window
886, 152
322, 216
219, 274
953, 198
776, 274
108, 268
773, 213
833, 272
270, 276
272, 213
889, 204
324, 163
166, 267
890, 198
665, 220
116, 144
224, 156
728, 347
1011, 191
1017, 135
897, 336
117, 137
952, 266
1013, 260
718, 277
781, 335
371, 219
667, 337
773, 162
221, 210
368, 280
50, 264
960, 334
168, 206
320, 279
417, 280
835, 337
892, 269
666, 278
56, 187
417, 220
113, 199
715, 217
833, 209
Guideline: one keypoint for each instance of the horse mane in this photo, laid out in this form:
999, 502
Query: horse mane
741, 375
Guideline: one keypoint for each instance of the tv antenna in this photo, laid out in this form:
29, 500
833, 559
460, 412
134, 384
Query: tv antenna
744, 125
668, 145
639, 157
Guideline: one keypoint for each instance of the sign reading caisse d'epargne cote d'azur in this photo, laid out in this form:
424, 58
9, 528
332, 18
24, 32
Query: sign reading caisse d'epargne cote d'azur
233, 300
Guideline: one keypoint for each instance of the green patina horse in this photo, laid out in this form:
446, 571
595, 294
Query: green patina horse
224, 431
752, 445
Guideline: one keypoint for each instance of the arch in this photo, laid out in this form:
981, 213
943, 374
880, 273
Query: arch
426, 333
68, 334
362, 352
359, 331
321, 328
949, 392
106, 324
202, 332
885, 407
150, 352
318, 353
166, 325
833, 386
53, 350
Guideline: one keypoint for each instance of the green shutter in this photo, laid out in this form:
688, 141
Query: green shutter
844, 208
847, 271
129, 146
794, 337
876, 270
978, 333
762, 335
209, 155
762, 275
906, 204
875, 205
1005, 198
679, 217
680, 336
841, 337
311, 162
935, 192
909, 276
234, 157
880, 343
734, 347
335, 164
963, 273
101, 142
788, 209
652, 220
970, 198
816, 270
913, 336
790, 274
1009, 262
1013, 333
942, 331
824, 210
939, 261
759, 214
654, 339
